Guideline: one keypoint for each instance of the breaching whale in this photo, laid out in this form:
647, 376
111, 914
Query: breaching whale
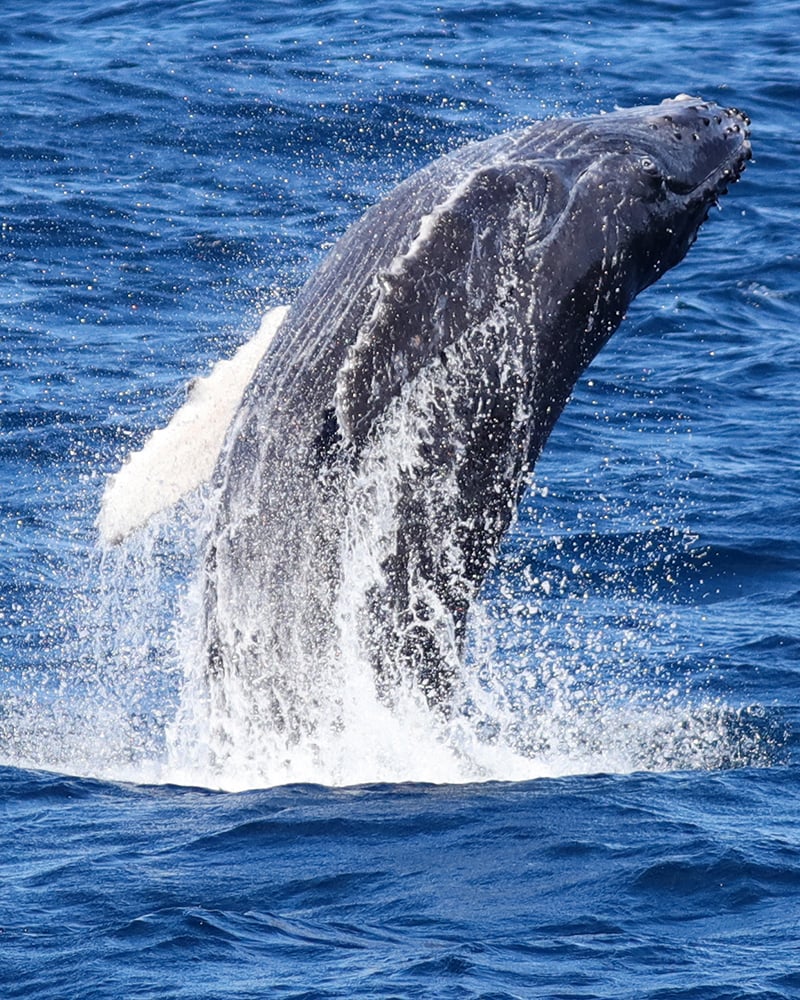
384, 440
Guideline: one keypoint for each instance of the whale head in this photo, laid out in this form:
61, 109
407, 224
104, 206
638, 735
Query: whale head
617, 200
649, 174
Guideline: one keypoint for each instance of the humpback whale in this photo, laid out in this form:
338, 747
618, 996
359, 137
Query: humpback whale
388, 432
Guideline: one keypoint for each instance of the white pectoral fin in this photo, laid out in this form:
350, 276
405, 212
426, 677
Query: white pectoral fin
178, 458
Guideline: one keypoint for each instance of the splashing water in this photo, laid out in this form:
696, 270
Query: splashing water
539, 696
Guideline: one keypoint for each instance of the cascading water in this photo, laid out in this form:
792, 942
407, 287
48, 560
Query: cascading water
544, 689
553, 706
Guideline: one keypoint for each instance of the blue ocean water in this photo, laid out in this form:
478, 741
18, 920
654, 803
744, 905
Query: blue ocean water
170, 171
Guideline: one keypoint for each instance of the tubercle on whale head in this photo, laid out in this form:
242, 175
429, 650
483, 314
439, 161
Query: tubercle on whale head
710, 148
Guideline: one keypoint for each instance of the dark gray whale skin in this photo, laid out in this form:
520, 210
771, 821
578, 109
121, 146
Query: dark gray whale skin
450, 323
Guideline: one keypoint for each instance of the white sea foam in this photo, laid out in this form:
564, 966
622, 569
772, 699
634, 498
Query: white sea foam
136, 706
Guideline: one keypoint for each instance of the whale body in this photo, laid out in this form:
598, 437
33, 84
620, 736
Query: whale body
383, 443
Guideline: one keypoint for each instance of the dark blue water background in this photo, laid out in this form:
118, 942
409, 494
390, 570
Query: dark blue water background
169, 171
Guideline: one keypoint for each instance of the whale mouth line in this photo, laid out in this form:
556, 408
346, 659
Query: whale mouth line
717, 181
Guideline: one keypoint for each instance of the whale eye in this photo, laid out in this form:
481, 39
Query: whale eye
649, 166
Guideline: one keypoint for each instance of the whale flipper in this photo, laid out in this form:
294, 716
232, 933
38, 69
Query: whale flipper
181, 456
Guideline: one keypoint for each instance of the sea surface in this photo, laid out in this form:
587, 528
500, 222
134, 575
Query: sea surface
627, 823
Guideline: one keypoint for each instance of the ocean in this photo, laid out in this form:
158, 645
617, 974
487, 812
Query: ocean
621, 821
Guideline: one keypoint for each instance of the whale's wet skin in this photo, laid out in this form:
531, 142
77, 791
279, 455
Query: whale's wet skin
376, 454
386, 436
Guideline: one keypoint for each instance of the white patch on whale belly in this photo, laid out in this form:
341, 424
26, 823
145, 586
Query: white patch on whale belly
178, 458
